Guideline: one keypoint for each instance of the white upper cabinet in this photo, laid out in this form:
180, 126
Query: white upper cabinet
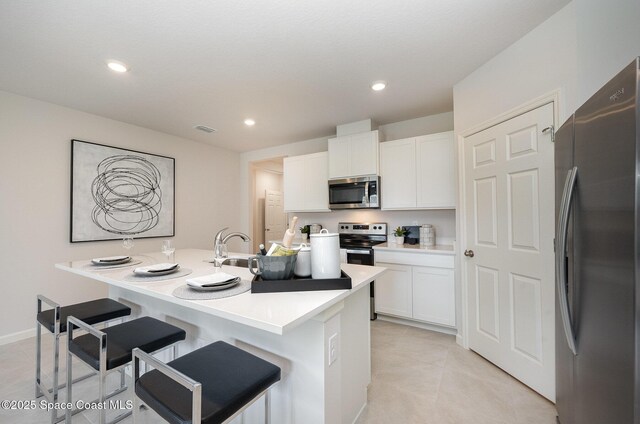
305, 183
418, 172
354, 155
398, 174
436, 171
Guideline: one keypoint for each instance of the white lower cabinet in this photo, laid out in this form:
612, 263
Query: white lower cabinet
434, 295
421, 293
393, 290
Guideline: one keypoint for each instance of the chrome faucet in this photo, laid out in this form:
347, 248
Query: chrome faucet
220, 240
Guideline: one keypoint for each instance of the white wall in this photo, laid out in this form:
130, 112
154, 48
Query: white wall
608, 40
419, 126
540, 62
34, 191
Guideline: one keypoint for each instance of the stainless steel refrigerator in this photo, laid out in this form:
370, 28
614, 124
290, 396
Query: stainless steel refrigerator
597, 161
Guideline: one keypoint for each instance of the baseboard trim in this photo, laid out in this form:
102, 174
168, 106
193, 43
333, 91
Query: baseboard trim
459, 340
16, 337
423, 325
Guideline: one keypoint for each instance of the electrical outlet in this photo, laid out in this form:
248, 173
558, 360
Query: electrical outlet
333, 348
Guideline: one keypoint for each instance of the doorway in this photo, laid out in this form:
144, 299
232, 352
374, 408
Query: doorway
508, 216
267, 211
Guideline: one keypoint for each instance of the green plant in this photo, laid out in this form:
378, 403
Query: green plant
400, 232
306, 229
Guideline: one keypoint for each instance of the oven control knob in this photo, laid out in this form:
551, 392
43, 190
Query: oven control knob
375, 228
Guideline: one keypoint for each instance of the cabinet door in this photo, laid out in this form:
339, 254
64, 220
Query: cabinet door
339, 157
315, 184
293, 183
434, 295
363, 156
393, 291
398, 174
436, 185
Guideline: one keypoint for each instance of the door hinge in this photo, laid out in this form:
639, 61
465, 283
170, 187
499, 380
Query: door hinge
552, 131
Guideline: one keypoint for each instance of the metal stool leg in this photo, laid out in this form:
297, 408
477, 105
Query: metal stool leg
69, 384
38, 358
267, 407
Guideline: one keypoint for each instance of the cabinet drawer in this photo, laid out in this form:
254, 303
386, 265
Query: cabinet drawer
419, 259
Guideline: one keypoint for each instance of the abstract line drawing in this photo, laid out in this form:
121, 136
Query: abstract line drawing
118, 193
127, 195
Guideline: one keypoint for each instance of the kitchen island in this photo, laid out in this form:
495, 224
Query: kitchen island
320, 339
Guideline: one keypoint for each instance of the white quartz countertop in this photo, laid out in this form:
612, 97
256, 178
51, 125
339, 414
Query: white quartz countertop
444, 249
273, 312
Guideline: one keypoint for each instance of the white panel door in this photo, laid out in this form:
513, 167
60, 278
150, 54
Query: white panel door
436, 171
363, 156
275, 220
393, 293
509, 220
398, 173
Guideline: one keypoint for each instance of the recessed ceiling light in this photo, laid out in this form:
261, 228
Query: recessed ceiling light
249, 122
116, 66
378, 85
205, 129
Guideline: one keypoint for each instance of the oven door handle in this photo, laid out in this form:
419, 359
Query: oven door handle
359, 252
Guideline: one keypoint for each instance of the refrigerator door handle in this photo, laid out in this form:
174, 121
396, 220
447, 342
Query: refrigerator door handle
561, 248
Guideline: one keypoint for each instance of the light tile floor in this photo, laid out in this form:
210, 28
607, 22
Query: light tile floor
418, 376
424, 377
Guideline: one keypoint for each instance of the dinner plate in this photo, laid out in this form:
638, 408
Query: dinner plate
111, 260
157, 269
217, 288
212, 280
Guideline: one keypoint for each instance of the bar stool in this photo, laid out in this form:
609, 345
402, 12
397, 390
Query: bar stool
55, 321
111, 349
212, 384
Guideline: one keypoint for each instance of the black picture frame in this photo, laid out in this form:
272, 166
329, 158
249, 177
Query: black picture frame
118, 193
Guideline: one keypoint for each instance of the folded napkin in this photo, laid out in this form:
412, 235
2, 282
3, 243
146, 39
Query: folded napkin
110, 259
212, 280
155, 268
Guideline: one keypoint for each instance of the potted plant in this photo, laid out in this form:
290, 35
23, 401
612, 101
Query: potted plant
399, 234
305, 232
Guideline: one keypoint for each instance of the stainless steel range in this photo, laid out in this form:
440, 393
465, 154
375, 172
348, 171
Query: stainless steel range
357, 241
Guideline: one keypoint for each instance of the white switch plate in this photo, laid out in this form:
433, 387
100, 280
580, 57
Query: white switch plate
333, 348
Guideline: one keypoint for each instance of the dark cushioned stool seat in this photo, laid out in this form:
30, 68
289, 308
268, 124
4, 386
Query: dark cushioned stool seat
230, 378
146, 333
92, 312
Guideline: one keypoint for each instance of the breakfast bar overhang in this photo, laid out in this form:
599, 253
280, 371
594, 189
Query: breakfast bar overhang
320, 339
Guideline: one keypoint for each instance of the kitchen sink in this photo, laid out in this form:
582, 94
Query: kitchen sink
239, 262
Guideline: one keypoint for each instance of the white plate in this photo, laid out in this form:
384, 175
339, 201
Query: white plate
111, 260
217, 288
157, 269
211, 280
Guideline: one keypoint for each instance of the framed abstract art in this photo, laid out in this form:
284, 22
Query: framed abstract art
118, 193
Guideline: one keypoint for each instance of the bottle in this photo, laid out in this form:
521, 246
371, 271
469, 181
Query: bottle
263, 251
290, 233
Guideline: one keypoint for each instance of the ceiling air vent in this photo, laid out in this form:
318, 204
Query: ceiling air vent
205, 129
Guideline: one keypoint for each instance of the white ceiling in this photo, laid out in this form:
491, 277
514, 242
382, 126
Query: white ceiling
297, 67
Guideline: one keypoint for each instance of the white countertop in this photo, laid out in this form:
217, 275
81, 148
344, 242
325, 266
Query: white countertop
272, 312
444, 249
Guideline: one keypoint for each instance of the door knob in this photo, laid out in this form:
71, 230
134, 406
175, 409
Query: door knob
469, 253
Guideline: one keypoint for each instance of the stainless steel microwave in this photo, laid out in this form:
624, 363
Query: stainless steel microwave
355, 193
